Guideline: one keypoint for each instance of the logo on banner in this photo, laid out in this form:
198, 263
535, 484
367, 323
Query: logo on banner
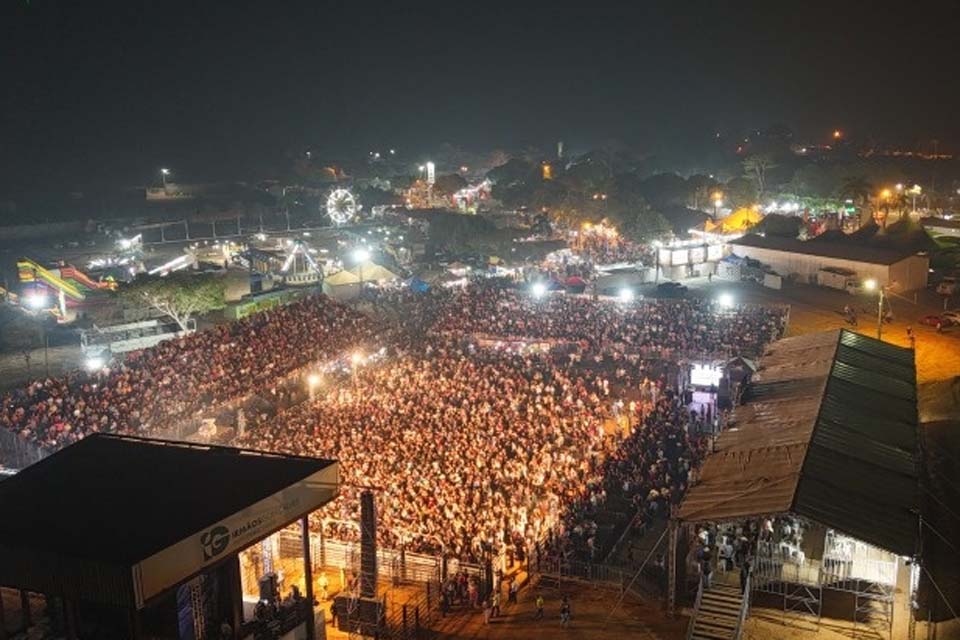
215, 541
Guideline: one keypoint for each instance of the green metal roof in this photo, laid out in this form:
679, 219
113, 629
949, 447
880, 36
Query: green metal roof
845, 406
860, 474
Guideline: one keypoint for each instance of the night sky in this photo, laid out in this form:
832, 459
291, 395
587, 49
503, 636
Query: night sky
110, 91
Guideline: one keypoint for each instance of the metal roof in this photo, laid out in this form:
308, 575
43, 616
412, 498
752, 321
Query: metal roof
77, 521
829, 432
849, 249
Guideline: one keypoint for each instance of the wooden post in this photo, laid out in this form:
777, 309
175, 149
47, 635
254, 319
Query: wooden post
70, 618
308, 576
3, 619
25, 610
672, 568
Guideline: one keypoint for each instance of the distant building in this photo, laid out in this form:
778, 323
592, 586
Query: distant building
902, 269
941, 227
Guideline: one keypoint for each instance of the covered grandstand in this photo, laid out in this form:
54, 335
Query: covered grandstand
822, 459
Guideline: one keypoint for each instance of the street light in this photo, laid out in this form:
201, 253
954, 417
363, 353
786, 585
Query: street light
914, 191
93, 363
37, 301
717, 203
538, 289
163, 176
313, 381
360, 255
872, 285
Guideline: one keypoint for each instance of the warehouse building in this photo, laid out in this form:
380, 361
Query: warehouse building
899, 268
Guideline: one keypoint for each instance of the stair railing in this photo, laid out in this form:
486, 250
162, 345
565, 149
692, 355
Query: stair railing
744, 607
696, 609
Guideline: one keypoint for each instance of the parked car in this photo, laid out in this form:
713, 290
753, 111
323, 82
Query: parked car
953, 316
931, 320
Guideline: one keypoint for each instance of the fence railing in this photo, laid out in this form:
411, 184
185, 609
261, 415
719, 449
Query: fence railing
648, 579
18, 453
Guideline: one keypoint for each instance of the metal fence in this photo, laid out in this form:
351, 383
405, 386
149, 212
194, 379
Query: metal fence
17, 453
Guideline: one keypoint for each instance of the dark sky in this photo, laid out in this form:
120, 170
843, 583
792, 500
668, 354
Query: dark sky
110, 91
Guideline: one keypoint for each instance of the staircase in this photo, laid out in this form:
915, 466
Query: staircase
717, 615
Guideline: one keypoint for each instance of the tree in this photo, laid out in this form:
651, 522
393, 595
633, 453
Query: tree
449, 184
740, 192
638, 221
180, 296
756, 168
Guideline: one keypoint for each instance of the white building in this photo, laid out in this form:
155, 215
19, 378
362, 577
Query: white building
901, 270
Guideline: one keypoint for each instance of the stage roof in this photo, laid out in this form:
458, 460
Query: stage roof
118, 519
827, 431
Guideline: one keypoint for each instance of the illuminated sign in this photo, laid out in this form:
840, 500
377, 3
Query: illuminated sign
703, 375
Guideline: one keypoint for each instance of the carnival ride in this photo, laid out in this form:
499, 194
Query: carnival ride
341, 206
69, 286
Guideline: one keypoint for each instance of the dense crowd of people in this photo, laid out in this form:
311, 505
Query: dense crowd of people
653, 328
467, 450
472, 450
176, 379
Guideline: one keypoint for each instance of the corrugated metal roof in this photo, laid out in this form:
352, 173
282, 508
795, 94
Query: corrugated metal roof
846, 404
848, 250
759, 481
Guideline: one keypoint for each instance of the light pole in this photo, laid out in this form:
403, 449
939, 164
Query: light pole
871, 285
163, 177
717, 203
361, 255
37, 302
914, 191
313, 381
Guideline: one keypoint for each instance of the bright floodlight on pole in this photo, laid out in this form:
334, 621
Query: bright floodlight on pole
625, 295
870, 284
37, 301
313, 381
361, 254
93, 363
725, 300
538, 289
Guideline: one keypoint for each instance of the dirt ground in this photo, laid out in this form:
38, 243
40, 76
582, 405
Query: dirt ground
820, 309
595, 614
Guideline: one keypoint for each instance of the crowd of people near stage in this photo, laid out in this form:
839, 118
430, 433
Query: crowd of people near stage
653, 328
471, 450
176, 379
474, 452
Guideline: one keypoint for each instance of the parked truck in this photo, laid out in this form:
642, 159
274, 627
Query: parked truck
838, 278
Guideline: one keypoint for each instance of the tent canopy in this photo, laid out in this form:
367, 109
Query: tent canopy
828, 431
341, 278
373, 272
737, 222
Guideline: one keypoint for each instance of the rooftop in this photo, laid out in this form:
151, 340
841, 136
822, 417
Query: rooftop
828, 431
844, 250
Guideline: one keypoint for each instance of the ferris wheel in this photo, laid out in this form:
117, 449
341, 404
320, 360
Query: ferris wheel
341, 206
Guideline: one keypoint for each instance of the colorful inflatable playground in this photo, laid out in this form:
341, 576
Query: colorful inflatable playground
56, 289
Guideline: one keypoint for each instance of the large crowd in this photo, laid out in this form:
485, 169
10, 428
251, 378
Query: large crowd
177, 379
471, 450
653, 328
